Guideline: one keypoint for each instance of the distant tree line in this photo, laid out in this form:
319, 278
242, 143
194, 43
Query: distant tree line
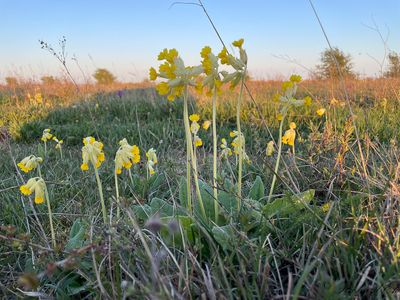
333, 64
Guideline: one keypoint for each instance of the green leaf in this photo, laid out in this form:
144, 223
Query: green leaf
208, 201
227, 198
162, 207
257, 190
76, 236
226, 236
288, 204
143, 212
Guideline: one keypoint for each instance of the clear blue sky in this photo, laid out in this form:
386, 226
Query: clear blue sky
126, 36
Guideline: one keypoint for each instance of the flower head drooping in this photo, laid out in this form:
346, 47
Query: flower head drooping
210, 65
29, 163
59, 143
36, 185
178, 76
290, 135
239, 143
46, 136
194, 129
126, 156
206, 124
226, 151
320, 112
239, 64
270, 148
151, 160
307, 100
92, 152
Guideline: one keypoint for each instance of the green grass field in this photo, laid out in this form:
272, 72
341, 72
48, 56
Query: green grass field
331, 230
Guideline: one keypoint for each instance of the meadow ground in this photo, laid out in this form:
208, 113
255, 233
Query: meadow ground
331, 229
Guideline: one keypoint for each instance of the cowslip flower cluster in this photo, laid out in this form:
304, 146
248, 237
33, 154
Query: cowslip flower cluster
320, 112
92, 152
126, 156
36, 185
206, 124
225, 150
238, 144
29, 163
290, 135
151, 160
287, 98
210, 65
46, 136
58, 142
194, 129
238, 63
270, 148
177, 74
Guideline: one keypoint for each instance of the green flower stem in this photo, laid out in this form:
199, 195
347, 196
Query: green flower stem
61, 153
188, 152
271, 191
189, 144
117, 192
130, 177
53, 235
196, 181
215, 154
103, 206
45, 149
241, 144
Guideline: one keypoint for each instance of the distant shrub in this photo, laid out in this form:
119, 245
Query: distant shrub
103, 76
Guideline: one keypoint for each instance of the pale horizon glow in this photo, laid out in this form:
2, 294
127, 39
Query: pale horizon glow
281, 37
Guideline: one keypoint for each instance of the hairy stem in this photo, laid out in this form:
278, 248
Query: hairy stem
99, 185
271, 191
214, 132
53, 235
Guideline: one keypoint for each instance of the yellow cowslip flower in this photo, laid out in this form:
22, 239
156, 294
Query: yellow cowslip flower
46, 136
320, 112
307, 100
58, 142
153, 74
197, 141
36, 185
290, 135
29, 163
126, 156
210, 66
223, 56
326, 206
92, 152
276, 97
206, 124
151, 160
334, 102
270, 148
238, 43
295, 78
177, 75
226, 151
194, 117
279, 117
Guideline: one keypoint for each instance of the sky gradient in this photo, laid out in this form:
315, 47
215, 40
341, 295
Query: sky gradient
126, 36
